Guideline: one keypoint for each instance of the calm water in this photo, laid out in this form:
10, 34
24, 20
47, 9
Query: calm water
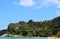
24, 38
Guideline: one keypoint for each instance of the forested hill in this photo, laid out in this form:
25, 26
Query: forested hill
31, 28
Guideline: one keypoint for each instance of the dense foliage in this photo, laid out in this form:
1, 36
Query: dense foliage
37, 29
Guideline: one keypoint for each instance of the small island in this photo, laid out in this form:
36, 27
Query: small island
46, 28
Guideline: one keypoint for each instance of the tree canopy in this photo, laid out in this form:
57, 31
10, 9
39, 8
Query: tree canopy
31, 28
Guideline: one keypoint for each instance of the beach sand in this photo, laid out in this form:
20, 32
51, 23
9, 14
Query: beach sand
55, 37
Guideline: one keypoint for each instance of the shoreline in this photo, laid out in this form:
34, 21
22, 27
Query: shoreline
55, 37
10, 35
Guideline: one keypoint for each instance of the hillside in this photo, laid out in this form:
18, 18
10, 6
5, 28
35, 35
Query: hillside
47, 28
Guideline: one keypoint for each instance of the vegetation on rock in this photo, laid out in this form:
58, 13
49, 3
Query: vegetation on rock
47, 28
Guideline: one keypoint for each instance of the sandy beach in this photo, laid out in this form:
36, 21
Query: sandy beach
55, 37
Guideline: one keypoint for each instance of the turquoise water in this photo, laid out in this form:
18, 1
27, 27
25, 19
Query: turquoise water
24, 38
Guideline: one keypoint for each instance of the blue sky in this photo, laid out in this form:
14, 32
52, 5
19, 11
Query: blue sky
12, 11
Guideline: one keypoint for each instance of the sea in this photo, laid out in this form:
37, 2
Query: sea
24, 38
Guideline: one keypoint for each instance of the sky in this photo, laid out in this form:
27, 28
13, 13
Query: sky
12, 11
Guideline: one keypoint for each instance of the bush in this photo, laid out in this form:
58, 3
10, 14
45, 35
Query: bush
58, 34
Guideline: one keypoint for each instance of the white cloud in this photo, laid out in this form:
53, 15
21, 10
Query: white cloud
56, 2
58, 5
43, 3
26, 2
46, 3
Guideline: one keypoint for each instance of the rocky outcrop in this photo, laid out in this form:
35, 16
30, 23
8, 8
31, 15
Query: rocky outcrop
2, 32
10, 35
